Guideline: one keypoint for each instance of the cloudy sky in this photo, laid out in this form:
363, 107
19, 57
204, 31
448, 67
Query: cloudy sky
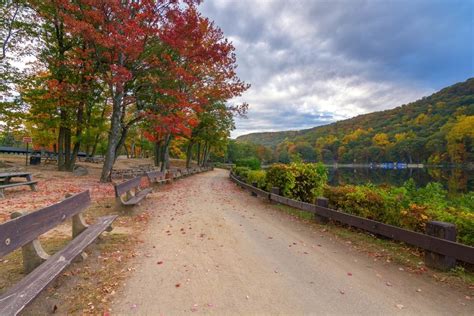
312, 62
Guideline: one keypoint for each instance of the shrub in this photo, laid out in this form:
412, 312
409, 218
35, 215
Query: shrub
310, 180
358, 200
464, 221
406, 206
415, 217
258, 176
241, 172
252, 163
280, 176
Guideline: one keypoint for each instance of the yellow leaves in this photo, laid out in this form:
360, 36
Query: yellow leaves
353, 136
400, 137
323, 141
381, 139
421, 119
462, 131
463, 128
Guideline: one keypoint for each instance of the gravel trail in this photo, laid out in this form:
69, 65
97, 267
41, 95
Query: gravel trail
211, 248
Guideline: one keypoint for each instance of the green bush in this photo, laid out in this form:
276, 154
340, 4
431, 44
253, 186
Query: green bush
463, 220
406, 206
365, 200
252, 163
280, 176
299, 181
241, 172
258, 176
310, 179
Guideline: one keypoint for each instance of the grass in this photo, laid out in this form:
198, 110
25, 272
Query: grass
386, 249
11, 270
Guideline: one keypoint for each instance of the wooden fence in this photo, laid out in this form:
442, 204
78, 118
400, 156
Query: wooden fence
430, 243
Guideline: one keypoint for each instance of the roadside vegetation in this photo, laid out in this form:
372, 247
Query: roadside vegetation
405, 206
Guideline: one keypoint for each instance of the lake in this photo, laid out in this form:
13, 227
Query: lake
453, 179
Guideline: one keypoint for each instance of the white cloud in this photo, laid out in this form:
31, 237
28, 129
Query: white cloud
314, 62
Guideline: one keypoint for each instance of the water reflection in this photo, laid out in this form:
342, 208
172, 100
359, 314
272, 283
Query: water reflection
454, 180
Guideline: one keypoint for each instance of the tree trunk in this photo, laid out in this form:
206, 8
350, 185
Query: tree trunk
77, 144
61, 149
189, 153
157, 158
165, 153
113, 138
67, 148
126, 151
198, 154
206, 156
94, 147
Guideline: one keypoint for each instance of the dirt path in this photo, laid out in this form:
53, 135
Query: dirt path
213, 249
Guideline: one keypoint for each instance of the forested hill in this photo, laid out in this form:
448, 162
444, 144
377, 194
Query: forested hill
437, 128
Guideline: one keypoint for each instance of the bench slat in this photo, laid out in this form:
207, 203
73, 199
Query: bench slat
137, 198
16, 184
123, 187
24, 229
155, 176
17, 297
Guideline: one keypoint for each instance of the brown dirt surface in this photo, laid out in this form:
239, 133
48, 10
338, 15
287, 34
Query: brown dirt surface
211, 248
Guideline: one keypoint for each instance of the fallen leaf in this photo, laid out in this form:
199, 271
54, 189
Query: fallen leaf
349, 273
399, 306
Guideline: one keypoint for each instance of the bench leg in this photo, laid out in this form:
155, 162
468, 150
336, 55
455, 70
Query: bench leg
2, 196
33, 253
33, 187
78, 225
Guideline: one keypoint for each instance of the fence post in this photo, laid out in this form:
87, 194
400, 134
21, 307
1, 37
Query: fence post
274, 190
254, 184
323, 202
445, 231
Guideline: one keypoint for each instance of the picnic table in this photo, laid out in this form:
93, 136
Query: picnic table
6, 177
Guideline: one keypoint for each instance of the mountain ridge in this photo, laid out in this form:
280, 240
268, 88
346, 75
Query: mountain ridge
426, 120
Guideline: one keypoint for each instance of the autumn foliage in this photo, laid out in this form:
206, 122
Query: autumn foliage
111, 74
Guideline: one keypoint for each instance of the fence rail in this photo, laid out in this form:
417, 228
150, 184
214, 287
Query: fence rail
430, 243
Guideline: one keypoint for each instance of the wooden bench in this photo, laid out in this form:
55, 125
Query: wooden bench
6, 183
184, 172
42, 269
157, 177
132, 191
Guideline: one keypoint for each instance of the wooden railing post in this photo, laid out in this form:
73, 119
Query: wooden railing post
323, 202
274, 190
444, 231
254, 184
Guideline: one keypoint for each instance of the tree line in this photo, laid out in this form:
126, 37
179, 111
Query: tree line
111, 76
438, 129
